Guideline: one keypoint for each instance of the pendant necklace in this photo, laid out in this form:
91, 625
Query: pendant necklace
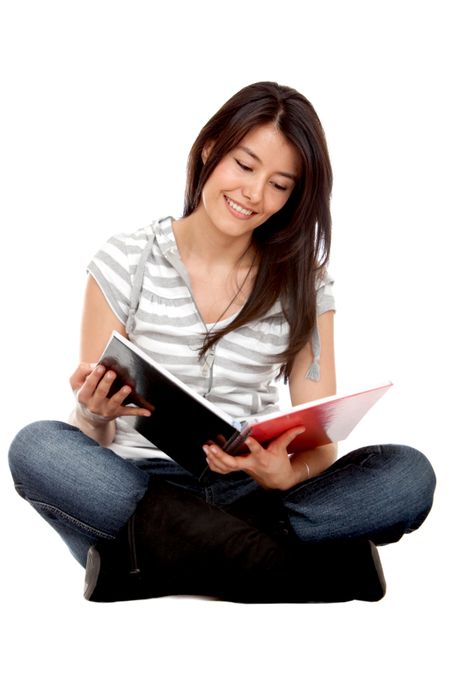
208, 359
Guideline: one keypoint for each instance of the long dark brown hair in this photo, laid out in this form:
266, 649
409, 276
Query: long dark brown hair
293, 245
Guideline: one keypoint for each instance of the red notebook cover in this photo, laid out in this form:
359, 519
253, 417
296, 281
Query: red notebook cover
327, 420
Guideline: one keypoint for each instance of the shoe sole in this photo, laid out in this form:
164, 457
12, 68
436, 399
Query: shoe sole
377, 593
93, 564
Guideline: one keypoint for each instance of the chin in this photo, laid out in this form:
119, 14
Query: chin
237, 229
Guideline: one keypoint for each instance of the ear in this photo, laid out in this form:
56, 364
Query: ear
207, 150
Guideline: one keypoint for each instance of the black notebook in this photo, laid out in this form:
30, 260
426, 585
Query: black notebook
182, 421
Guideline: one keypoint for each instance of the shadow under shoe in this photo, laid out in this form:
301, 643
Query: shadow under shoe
176, 544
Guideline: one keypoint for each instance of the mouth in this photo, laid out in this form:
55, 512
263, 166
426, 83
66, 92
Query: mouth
237, 209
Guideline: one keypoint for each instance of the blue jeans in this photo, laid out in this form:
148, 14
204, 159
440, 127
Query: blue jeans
86, 492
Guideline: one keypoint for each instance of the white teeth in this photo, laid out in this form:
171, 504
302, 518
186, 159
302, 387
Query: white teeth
238, 208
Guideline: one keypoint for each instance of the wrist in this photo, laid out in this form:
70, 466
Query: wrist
93, 419
285, 482
301, 471
308, 470
101, 430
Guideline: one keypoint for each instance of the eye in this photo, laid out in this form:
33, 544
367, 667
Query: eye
243, 166
282, 188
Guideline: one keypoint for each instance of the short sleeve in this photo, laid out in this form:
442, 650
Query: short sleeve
112, 270
324, 302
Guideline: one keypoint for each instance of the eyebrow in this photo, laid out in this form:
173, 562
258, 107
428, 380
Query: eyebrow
292, 176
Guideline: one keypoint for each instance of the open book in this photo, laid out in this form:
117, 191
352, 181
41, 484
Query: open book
182, 421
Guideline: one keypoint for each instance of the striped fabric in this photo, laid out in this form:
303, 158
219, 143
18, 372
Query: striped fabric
238, 377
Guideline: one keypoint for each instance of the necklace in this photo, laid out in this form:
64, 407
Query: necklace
208, 359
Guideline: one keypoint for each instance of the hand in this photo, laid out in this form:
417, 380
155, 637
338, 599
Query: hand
270, 467
91, 384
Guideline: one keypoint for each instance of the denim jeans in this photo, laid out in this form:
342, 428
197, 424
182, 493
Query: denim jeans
86, 492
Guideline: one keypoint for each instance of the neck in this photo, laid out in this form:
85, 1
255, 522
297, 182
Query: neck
197, 240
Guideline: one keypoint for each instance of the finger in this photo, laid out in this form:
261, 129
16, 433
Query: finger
287, 437
132, 411
94, 394
102, 380
281, 443
213, 464
90, 384
219, 460
79, 376
116, 402
254, 446
117, 399
104, 397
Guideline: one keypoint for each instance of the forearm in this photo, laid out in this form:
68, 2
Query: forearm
312, 462
101, 431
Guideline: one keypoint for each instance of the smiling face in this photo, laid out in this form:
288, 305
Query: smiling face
250, 183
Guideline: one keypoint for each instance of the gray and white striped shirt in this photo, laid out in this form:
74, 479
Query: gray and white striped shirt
238, 377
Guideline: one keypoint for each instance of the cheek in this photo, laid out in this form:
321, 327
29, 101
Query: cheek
224, 177
216, 183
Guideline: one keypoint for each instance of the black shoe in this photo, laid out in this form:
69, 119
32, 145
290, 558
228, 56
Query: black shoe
176, 544
338, 572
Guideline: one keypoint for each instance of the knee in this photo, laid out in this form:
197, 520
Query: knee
33, 448
413, 466
412, 477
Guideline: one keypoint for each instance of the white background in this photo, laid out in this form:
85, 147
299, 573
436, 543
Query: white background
100, 104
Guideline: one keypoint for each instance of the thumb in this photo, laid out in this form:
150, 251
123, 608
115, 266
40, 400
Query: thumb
288, 436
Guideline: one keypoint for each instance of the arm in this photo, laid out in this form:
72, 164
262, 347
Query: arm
95, 413
303, 390
272, 467
97, 323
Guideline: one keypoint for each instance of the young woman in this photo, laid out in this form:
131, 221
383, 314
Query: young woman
228, 297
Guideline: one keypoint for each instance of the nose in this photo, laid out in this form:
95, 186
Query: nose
253, 190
